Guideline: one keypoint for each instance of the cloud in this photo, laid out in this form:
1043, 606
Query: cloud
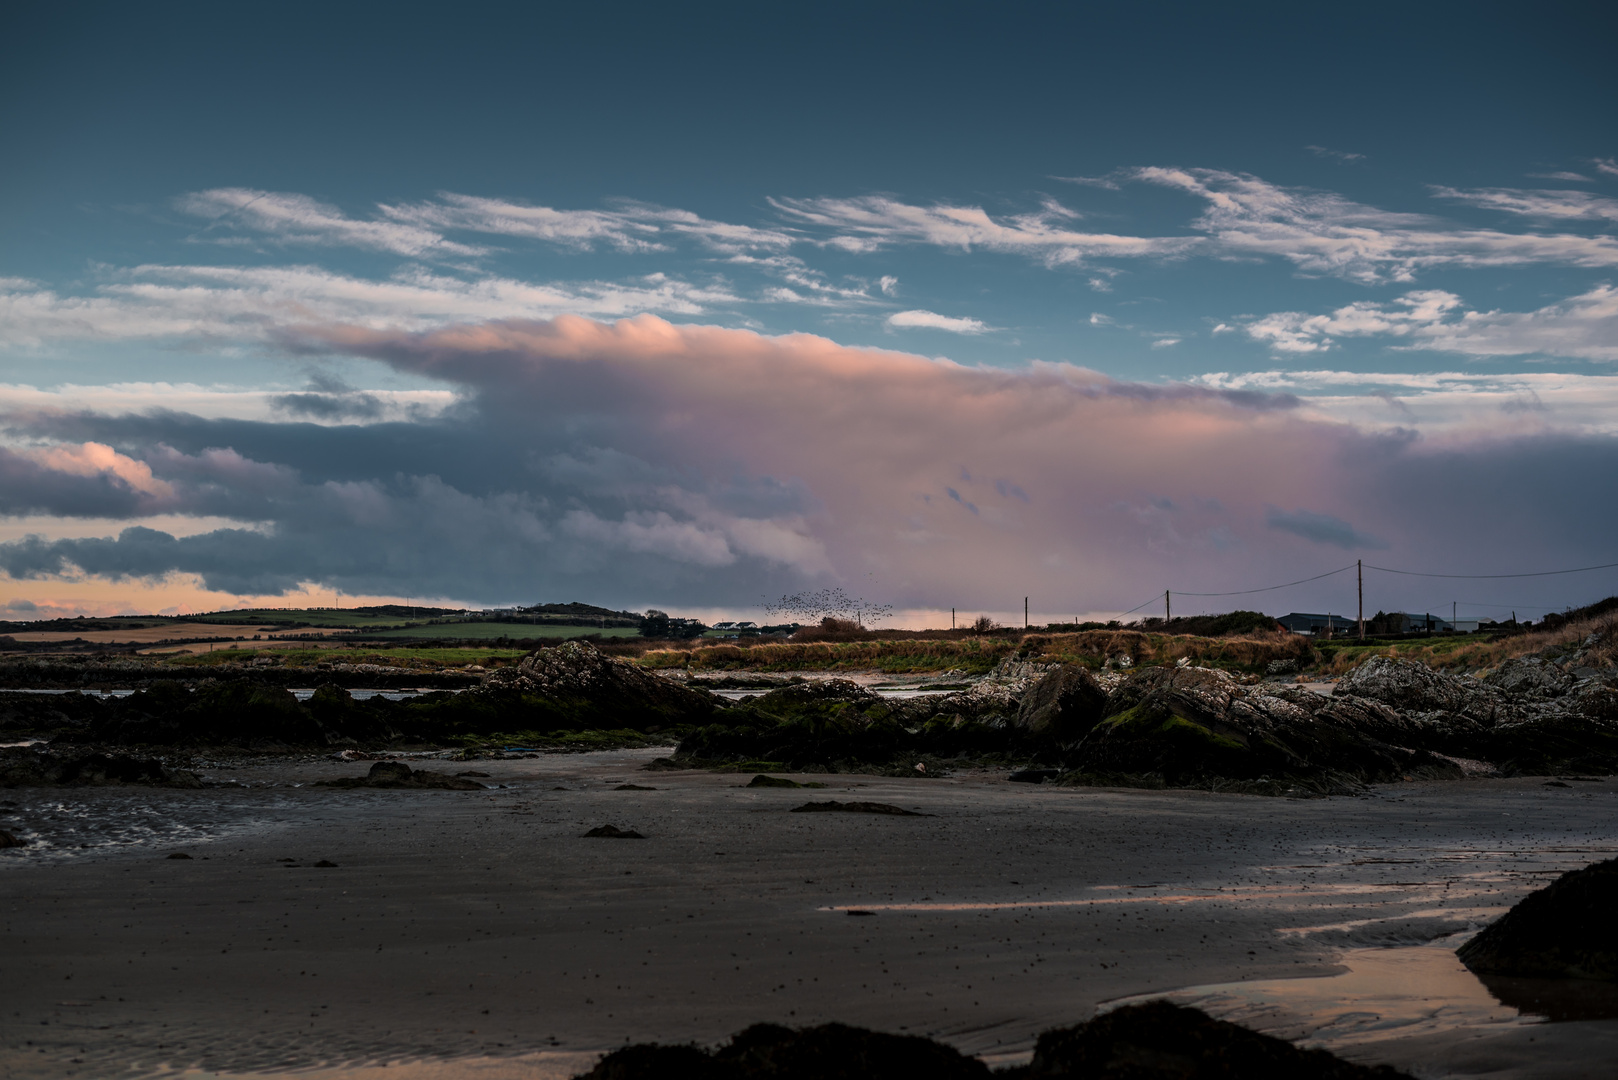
1566, 205
1581, 327
869, 223
1244, 216
253, 303
1445, 405
1320, 528
79, 480
642, 462
1572, 176
1335, 155
1606, 166
299, 219
418, 229
629, 226
929, 320
1327, 234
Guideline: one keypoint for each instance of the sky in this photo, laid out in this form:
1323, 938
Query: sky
692, 307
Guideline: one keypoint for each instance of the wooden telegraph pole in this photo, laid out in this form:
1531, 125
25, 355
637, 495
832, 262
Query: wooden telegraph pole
1168, 613
1359, 566
1025, 613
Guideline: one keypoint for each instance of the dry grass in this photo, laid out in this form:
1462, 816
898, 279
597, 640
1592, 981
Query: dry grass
978, 654
1469, 653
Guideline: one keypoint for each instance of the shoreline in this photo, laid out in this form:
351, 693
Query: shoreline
445, 904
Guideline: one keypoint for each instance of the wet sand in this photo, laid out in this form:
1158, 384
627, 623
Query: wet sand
477, 934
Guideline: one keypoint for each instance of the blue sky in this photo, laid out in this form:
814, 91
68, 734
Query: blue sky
226, 238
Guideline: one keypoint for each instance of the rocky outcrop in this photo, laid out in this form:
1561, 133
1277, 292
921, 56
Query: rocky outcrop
572, 686
1412, 687
1529, 716
31, 768
1531, 677
1565, 930
1199, 726
1063, 706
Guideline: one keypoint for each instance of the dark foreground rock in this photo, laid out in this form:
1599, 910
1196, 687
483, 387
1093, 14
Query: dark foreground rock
833, 806
33, 768
396, 774
7, 840
612, 832
1160, 1041
1154, 1041
827, 1052
1568, 930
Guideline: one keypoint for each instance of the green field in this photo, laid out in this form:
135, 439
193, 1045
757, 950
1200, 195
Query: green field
324, 618
484, 631
400, 655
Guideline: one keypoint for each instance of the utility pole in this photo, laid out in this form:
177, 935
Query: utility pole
952, 618
1025, 614
1452, 627
1359, 567
1168, 613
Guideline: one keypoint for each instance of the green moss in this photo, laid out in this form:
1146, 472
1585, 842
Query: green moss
1179, 726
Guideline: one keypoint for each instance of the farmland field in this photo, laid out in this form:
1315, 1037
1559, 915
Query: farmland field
484, 631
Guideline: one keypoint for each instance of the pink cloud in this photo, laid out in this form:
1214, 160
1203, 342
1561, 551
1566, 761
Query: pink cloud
1084, 486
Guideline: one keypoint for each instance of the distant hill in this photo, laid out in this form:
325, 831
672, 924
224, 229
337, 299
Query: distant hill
581, 611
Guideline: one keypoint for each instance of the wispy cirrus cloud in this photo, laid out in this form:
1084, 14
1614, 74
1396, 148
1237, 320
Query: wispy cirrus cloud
1582, 327
285, 218
248, 303
1563, 205
1334, 155
419, 229
1325, 233
1244, 216
628, 226
931, 320
869, 223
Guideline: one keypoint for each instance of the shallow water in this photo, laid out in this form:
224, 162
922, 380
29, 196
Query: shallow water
1389, 993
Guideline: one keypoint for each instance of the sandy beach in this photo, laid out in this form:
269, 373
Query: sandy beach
479, 934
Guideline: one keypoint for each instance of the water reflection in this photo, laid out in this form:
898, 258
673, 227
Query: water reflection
1392, 993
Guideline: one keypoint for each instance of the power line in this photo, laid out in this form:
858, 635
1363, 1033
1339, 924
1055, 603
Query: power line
1267, 588
1478, 577
1136, 608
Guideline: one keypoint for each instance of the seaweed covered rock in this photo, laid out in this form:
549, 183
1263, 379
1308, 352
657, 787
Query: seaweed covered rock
1565, 930
809, 725
1062, 706
47, 715
1413, 687
1161, 1041
238, 712
1181, 726
34, 768
773, 1052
